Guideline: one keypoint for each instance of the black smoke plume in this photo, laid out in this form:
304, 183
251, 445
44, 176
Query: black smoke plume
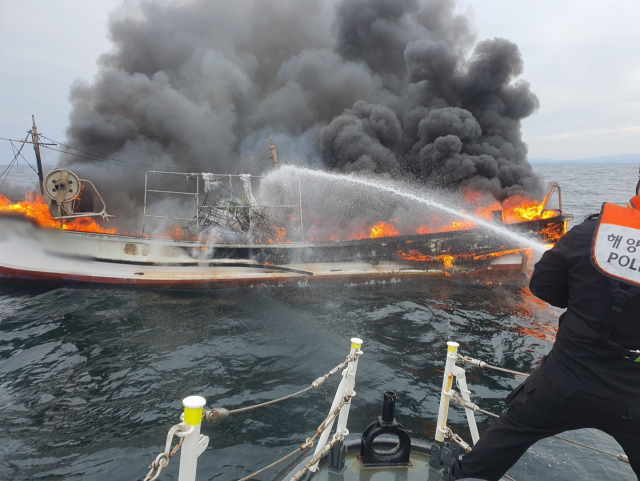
396, 87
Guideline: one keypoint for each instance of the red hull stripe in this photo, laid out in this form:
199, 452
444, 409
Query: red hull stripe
8, 274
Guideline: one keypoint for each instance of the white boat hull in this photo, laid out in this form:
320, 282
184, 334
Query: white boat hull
31, 253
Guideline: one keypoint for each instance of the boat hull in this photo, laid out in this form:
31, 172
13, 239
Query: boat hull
30, 253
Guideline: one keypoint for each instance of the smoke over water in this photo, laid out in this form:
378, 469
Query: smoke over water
373, 86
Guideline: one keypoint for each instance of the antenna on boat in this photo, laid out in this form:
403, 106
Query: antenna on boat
36, 147
274, 154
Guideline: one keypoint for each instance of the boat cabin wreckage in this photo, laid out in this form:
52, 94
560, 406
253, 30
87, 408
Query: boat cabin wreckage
229, 238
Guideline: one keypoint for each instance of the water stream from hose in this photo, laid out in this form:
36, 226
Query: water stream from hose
303, 172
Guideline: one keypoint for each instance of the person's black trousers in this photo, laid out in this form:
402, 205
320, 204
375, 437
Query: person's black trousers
538, 409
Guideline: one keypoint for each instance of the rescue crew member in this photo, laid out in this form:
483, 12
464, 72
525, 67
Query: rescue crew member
583, 382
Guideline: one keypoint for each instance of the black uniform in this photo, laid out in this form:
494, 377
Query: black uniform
582, 383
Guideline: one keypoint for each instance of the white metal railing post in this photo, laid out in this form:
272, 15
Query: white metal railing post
345, 387
301, 221
144, 209
461, 380
350, 377
191, 447
447, 384
197, 202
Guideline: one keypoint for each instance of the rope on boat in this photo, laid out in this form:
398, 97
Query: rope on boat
307, 444
13, 161
120, 162
456, 398
327, 447
457, 439
483, 365
162, 460
22, 157
218, 414
268, 159
465, 447
180, 430
324, 425
621, 457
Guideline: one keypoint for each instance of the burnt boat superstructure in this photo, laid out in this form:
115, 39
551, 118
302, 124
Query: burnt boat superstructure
237, 241
29, 252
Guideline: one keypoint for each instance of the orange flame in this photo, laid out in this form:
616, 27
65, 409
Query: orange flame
552, 232
448, 260
39, 211
176, 233
515, 209
521, 209
414, 255
453, 226
280, 235
384, 229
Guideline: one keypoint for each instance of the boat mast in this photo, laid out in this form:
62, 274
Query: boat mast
274, 154
36, 148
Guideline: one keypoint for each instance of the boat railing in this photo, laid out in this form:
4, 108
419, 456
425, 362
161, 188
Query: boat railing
552, 188
442, 452
210, 180
192, 444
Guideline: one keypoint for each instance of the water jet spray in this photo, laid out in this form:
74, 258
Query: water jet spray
498, 229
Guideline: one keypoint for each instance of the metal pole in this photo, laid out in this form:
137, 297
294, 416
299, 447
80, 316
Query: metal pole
461, 379
197, 213
193, 406
144, 209
345, 386
447, 384
301, 222
274, 154
350, 375
559, 198
547, 197
36, 148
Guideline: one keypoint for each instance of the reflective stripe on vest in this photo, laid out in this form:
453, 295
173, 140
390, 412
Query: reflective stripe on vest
616, 244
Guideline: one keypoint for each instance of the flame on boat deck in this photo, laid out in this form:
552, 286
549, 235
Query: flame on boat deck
281, 235
383, 229
449, 260
513, 210
39, 211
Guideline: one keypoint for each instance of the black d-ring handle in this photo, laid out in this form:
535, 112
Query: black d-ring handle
386, 424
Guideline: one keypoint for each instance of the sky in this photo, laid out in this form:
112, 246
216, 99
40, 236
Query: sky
580, 58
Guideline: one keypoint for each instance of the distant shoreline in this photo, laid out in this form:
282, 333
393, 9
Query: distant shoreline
605, 159
579, 162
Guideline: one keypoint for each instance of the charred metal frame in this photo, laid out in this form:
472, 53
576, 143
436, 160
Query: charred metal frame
196, 194
547, 197
68, 212
102, 213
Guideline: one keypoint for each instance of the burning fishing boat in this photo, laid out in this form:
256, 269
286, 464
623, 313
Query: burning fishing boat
231, 237
234, 239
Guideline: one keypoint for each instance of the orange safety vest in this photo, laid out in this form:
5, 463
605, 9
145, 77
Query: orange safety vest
615, 253
616, 244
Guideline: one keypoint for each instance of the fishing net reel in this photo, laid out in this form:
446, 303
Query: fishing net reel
70, 197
